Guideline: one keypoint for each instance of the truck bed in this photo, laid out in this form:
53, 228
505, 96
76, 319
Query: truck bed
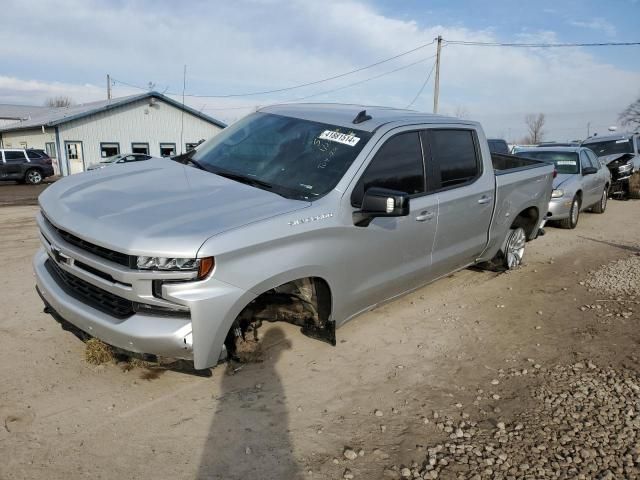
503, 163
521, 184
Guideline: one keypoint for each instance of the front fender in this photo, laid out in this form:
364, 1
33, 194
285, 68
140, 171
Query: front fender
214, 306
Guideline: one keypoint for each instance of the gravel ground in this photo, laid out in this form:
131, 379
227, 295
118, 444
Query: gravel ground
618, 278
474, 347
585, 424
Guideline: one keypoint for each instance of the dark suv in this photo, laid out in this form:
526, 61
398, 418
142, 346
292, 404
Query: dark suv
25, 165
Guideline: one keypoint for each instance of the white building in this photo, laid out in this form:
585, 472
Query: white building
81, 135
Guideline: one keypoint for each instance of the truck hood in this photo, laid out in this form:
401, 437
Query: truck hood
156, 207
607, 159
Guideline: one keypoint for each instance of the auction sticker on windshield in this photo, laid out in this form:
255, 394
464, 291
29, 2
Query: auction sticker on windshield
343, 138
566, 162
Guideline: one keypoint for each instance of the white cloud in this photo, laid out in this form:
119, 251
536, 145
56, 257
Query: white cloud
597, 24
265, 44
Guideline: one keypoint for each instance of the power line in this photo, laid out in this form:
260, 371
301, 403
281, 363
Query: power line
295, 87
353, 84
539, 45
384, 74
424, 84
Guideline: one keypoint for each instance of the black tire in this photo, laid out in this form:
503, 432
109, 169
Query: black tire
33, 176
634, 185
574, 214
601, 206
510, 255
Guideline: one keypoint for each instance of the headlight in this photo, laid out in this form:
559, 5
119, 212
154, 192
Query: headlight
201, 265
557, 193
626, 168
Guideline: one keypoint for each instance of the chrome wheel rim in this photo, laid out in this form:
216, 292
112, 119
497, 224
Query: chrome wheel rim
603, 202
574, 212
34, 177
515, 248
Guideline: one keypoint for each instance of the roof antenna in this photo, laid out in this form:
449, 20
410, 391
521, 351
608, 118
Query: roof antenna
362, 117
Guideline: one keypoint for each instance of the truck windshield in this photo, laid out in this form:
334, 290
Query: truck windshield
565, 162
292, 157
610, 147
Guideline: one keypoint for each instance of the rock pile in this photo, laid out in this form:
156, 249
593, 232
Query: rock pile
619, 278
585, 424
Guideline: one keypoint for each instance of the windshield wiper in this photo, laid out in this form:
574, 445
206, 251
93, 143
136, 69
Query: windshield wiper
243, 179
197, 164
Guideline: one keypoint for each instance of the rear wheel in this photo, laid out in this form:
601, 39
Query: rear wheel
33, 177
601, 206
509, 257
514, 248
574, 214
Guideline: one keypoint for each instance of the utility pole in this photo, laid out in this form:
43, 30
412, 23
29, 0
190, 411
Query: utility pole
184, 86
436, 87
108, 87
588, 129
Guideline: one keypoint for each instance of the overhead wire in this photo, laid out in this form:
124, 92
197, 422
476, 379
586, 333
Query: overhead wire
380, 62
424, 84
294, 87
538, 45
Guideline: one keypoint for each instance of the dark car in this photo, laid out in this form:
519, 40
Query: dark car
621, 154
25, 165
498, 145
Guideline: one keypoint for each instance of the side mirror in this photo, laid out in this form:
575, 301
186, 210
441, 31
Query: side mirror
381, 202
589, 170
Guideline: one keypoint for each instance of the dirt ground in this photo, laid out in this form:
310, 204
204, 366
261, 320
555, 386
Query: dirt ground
436, 350
13, 193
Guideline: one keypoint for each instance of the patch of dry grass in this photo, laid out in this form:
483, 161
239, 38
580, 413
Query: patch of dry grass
97, 352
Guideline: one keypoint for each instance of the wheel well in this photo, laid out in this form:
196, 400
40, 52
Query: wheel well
306, 302
579, 195
528, 221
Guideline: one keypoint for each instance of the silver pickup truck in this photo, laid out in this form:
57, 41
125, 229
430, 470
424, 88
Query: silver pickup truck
310, 214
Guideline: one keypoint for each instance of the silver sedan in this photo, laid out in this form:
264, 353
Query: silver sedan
582, 182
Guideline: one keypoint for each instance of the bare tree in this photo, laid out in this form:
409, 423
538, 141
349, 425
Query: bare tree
59, 101
534, 126
631, 115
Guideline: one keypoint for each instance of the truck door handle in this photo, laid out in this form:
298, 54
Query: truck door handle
424, 216
484, 200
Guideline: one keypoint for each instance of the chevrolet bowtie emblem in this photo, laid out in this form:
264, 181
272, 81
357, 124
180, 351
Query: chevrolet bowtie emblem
58, 256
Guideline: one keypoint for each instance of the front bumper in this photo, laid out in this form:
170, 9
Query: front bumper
559, 208
140, 333
195, 315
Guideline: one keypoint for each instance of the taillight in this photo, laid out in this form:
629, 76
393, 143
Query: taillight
555, 173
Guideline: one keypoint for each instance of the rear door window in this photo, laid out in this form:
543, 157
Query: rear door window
14, 156
33, 154
454, 160
397, 165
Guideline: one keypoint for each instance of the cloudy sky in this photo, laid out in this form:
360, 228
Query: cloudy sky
66, 47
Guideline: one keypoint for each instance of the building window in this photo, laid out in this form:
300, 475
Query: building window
109, 149
191, 146
50, 148
140, 148
167, 149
